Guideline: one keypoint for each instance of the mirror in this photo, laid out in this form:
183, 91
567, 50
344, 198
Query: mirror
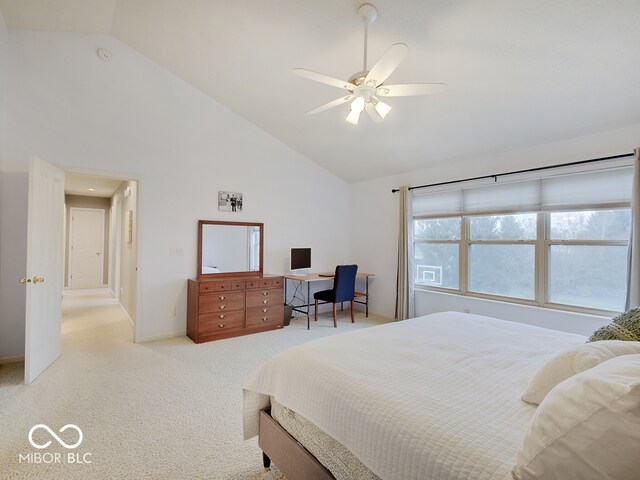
229, 248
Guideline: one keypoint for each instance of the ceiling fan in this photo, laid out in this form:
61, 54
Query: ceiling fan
367, 86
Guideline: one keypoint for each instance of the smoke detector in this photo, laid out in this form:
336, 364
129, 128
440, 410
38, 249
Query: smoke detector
104, 54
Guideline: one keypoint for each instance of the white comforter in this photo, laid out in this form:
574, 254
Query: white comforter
436, 397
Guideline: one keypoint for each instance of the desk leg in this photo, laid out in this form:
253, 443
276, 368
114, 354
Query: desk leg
285, 291
366, 305
308, 302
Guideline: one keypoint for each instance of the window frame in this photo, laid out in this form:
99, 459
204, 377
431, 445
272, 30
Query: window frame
542, 245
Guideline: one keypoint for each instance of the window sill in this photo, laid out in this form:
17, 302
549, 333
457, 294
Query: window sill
604, 314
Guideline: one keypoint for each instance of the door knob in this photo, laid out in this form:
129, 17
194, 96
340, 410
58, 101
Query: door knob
25, 280
37, 279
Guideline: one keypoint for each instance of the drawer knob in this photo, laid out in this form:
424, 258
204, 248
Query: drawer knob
265, 293
222, 307
265, 301
221, 325
265, 310
222, 297
264, 319
222, 315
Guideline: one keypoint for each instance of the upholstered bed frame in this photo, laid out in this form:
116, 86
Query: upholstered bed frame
293, 460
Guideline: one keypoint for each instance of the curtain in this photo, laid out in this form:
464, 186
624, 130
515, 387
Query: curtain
404, 284
633, 272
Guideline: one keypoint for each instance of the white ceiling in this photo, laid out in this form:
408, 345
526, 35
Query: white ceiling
81, 185
520, 72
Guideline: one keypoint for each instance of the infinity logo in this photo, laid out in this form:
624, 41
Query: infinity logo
60, 441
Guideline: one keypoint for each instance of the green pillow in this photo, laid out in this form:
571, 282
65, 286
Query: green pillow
624, 327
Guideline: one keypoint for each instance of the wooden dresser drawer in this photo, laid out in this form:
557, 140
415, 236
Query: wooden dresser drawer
265, 296
216, 322
208, 287
266, 314
220, 301
205, 287
278, 282
252, 283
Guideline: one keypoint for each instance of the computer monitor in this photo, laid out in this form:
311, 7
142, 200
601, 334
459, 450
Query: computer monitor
300, 258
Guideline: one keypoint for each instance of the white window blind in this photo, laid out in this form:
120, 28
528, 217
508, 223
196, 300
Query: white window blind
448, 202
601, 188
502, 198
604, 187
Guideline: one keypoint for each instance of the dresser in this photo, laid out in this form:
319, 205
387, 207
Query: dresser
230, 307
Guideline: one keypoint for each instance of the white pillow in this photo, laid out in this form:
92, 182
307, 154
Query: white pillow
574, 360
588, 427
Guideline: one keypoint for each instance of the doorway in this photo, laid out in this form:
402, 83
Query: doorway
97, 257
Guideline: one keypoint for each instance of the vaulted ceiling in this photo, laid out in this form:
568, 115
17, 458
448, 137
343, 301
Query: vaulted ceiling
520, 72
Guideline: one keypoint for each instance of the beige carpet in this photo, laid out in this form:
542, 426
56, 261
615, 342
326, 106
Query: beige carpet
163, 410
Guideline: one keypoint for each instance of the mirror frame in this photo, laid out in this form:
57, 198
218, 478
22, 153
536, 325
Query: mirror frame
257, 273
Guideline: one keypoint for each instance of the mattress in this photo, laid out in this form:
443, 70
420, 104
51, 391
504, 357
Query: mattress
434, 397
334, 456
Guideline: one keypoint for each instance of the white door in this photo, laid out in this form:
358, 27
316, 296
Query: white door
86, 248
45, 250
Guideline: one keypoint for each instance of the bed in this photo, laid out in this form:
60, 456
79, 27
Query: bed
436, 397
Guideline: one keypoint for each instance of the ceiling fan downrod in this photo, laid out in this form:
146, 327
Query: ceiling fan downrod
368, 13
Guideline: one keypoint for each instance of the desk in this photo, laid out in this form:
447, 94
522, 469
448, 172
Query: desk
316, 277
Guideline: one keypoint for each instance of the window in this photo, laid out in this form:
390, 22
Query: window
587, 258
502, 255
560, 241
437, 252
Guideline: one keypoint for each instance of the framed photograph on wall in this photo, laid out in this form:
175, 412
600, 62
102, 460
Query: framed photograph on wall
229, 201
130, 227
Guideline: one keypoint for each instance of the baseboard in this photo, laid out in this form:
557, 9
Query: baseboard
8, 360
124, 310
386, 318
163, 337
88, 291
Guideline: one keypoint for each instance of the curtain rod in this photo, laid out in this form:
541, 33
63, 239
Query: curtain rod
537, 169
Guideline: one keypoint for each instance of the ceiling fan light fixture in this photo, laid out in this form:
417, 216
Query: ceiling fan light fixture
382, 108
357, 105
353, 117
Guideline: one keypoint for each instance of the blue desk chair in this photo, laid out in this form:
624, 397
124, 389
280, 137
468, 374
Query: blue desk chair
344, 285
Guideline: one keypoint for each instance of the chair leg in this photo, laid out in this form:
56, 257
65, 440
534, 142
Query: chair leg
352, 321
335, 325
316, 309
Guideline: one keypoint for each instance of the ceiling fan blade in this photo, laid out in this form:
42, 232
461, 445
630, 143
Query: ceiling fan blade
319, 77
371, 110
387, 64
329, 105
408, 89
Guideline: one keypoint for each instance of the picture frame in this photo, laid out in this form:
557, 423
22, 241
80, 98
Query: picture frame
230, 201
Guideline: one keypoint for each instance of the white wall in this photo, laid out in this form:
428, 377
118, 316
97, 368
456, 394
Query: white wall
128, 251
13, 256
374, 214
133, 117
13, 228
4, 78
